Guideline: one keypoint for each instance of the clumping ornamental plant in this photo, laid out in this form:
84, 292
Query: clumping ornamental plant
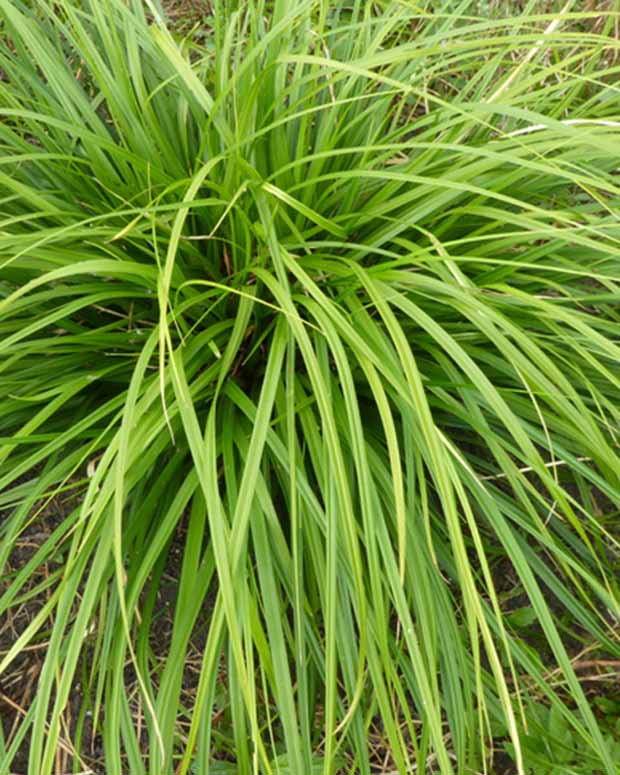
318, 306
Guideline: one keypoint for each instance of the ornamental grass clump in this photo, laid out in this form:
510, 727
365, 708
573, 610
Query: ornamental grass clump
315, 309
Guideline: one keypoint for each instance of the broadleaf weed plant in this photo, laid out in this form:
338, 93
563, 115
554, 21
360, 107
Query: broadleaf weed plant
318, 308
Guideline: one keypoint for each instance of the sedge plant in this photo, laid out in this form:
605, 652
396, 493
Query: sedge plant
316, 306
